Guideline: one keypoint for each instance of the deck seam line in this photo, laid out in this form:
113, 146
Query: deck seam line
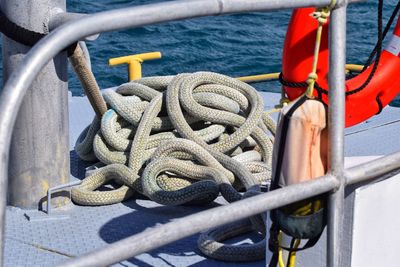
373, 127
43, 248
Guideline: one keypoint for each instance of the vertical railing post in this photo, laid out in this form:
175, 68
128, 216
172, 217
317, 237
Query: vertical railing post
39, 154
337, 61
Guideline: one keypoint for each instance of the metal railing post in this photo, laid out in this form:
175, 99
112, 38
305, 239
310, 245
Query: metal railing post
40, 145
337, 61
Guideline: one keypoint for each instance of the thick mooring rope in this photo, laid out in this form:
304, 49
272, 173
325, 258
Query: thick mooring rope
182, 139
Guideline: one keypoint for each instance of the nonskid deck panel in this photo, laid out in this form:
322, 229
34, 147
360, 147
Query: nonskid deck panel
48, 242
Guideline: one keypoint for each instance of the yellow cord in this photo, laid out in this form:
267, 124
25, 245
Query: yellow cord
292, 254
280, 257
321, 15
268, 112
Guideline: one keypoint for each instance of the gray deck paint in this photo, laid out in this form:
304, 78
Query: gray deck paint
48, 242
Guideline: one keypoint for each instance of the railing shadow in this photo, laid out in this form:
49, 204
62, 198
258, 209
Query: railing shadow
149, 214
146, 214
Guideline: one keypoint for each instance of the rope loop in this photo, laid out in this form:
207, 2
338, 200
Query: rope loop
182, 139
321, 15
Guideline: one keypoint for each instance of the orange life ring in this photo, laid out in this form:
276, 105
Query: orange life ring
297, 63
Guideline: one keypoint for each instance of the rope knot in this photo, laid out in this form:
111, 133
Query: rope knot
284, 101
321, 15
312, 77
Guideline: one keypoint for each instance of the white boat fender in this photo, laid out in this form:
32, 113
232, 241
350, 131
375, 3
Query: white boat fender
299, 155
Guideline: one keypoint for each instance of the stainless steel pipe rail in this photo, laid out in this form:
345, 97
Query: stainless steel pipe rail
373, 169
192, 224
161, 235
65, 35
336, 121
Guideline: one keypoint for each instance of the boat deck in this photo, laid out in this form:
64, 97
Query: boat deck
72, 231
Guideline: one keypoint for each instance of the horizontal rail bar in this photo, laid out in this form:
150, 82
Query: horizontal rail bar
164, 234
373, 169
60, 17
161, 235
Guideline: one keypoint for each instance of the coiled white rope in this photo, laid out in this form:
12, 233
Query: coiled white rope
181, 139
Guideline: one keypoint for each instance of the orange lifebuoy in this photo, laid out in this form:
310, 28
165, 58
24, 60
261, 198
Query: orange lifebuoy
297, 63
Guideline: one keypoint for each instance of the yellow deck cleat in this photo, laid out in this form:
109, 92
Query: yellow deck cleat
134, 63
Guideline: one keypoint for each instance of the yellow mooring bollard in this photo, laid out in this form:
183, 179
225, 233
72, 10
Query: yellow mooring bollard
134, 63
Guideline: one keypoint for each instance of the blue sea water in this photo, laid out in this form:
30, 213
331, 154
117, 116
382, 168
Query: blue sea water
234, 45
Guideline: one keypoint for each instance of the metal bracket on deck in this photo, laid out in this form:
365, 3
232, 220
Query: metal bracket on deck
134, 63
38, 215
56, 188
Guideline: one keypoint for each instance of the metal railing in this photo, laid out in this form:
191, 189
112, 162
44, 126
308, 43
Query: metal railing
334, 182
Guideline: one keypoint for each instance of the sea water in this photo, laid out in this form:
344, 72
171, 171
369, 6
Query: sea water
235, 45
